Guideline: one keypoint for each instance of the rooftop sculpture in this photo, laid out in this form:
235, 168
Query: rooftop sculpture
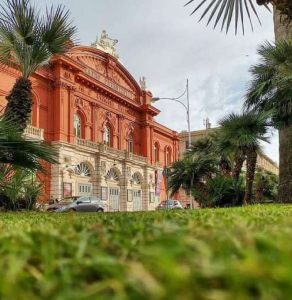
106, 44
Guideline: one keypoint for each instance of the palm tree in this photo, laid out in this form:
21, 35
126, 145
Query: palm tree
271, 88
244, 133
190, 172
209, 145
15, 151
225, 10
27, 42
204, 145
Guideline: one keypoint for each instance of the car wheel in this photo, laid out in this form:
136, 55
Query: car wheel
72, 210
99, 210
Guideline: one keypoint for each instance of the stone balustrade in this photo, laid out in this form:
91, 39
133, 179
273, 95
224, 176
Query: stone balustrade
102, 148
33, 133
137, 157
87, 144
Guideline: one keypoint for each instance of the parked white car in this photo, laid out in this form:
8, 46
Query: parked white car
84, 204
169, 204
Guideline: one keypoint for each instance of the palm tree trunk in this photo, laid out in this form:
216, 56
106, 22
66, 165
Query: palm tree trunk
251, 162
19, 104
238, 163
285, 176
283, 30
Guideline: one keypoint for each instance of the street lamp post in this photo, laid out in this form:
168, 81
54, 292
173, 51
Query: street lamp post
187, 108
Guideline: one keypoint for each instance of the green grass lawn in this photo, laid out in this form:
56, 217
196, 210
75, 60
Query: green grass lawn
237, 253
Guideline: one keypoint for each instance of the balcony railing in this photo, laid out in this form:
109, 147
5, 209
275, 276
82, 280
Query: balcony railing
102, 148
137, 157
33, 133
87, 143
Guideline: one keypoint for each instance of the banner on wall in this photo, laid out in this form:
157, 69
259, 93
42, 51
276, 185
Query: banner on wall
158, 181
67, 189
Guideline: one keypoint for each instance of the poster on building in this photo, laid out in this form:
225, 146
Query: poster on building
67, 189
158, 181
103, 193
130, 196
152, 197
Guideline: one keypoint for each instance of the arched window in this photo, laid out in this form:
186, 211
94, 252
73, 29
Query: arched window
130, 144
107, 136
77, 126
167, 156
82, 170
137, 178
112, 175
156, 152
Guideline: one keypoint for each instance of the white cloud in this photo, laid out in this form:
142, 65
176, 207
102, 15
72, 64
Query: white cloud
158, 39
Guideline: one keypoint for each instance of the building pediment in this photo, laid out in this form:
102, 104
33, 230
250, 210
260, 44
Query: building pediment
106, 69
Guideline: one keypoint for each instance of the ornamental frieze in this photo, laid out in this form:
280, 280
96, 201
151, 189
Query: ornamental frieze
105, 100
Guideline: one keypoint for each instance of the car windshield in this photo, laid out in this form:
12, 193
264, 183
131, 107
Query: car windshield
67, 200
82, 199
169, 202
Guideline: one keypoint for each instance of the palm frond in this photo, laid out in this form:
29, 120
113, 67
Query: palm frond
188, 172
226, 11
270, 88
17, 151
245, 131
27, 40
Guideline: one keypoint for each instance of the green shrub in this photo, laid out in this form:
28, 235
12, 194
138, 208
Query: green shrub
221, 191
266, 186
19, 189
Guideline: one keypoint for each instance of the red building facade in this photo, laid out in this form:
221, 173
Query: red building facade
102, 124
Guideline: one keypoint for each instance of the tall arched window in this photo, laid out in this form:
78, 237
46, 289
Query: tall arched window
130, 144
156, 152
107, 136
167, 156
77, 126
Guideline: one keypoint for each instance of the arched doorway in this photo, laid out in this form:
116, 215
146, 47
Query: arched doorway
113, 181
137, 180
83, 175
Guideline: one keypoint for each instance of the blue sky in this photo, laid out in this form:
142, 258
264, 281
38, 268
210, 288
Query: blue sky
158, 39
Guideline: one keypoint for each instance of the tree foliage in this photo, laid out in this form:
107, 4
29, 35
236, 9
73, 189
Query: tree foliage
15, 150
270, 88
190, 172
28, 40
225, 11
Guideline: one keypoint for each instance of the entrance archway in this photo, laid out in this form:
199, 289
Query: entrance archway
113, 179
137, 180
83, 173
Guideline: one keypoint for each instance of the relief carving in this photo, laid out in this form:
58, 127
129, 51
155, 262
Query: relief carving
67, 75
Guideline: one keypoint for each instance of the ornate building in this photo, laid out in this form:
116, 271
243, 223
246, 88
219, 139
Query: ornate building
101, 122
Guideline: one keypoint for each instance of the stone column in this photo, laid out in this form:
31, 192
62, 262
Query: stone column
94, 112
120, 131
145, 189
56, 179
96, 177
124, 186
71, 135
